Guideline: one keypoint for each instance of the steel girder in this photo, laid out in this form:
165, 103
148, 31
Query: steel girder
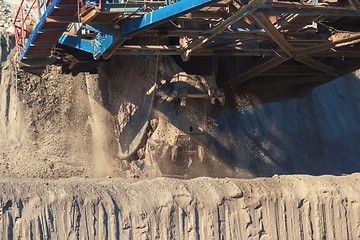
108, 38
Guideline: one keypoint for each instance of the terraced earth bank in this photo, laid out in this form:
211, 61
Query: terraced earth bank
63, 174
282, 207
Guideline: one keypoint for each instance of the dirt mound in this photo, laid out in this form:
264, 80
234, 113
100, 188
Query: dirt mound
62, 126
118, 123
65, 129
293, 207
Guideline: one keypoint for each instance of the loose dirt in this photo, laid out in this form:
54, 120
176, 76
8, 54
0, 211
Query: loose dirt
59, 140
63, 126
282, 207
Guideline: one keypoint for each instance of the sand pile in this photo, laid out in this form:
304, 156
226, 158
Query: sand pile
61, 126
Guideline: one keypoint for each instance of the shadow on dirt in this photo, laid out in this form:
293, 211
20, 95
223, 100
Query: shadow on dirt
289, 131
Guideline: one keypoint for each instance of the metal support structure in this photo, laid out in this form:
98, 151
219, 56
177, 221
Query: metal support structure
277, 31
108, 38
241, 78
286, 46
343, 39
157, 17
275, 35
305, 9
318, 65
242, 12
301, 56
78, 43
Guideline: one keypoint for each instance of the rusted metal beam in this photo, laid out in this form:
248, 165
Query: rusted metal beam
307, 9
242, 12
291, 70
275, 35
355, 4
347, 54
318, 65
301, 56
89, 15
113, 48
343, 40
61, 19
255, 71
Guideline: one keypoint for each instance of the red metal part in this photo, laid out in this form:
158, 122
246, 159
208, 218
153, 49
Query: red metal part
22, 15
79, 9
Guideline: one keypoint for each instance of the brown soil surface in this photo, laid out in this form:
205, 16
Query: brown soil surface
63, 126
60, 137
282, 207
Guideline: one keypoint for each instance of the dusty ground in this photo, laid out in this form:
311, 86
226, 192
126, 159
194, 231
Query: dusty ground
70, 126
59, 135
63, 126
284, 207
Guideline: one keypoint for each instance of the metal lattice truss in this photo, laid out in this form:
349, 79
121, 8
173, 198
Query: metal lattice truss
312, 39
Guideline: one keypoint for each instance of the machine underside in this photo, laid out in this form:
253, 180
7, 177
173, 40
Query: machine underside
253, 44
274, 49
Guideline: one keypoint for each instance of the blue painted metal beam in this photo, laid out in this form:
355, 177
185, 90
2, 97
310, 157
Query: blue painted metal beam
108, 38
130, 6
105, 38
78, 43
157, 17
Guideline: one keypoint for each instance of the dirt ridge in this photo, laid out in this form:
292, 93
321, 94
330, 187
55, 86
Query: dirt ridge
281, 207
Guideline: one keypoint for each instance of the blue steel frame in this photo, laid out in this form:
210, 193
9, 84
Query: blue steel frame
107, 35
157, 17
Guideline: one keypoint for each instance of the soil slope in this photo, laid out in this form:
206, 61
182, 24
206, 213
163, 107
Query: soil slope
59, 133
284, 207
63, 126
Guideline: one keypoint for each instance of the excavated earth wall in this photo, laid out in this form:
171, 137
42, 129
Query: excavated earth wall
282, 207
69, 126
